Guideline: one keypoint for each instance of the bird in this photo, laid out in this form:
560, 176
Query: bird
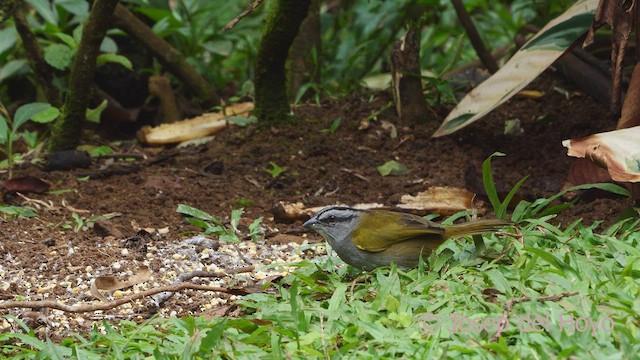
368, 239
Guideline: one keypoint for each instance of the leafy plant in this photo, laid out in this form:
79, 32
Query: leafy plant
212, 226
562, 292
392, 168
335, 124
539, 208
275, 170
78, 223
18, 211
38, 112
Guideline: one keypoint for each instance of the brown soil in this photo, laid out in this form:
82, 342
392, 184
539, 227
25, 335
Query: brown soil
322, 168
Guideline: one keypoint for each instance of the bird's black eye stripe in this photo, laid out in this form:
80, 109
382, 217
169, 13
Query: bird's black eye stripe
336, 214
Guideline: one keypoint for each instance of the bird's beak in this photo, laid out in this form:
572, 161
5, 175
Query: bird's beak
309, 224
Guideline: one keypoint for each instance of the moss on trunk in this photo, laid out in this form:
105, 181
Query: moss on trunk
283, 22
66, 132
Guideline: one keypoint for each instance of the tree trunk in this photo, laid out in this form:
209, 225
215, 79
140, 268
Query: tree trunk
411, 104
65, 134
283, 22
303, 62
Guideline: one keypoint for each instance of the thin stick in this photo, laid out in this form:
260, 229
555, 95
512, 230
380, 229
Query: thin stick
161, 298
246, 12
80, 308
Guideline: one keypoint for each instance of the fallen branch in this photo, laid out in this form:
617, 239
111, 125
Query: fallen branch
246, 12
51, 304
511, 302
182, 279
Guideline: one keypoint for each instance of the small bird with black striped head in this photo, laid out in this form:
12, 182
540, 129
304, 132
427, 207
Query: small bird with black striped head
368, 239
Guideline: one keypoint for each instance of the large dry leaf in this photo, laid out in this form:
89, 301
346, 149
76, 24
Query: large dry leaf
201, 126
618, 151
439, 199
529, 62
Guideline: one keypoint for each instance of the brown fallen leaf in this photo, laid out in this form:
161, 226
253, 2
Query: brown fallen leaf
198, 127
443, 200
617, 151
26, 184
112, 283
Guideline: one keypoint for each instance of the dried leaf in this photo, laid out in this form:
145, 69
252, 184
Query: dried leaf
198, 127
26, 184
437, 199
618, 151
112, 283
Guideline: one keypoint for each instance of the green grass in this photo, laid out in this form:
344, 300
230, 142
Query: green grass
539, 291
449, 307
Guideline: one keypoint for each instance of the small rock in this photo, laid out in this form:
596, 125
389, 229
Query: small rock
104, 228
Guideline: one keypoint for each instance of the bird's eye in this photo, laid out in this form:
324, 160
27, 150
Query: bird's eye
332, 218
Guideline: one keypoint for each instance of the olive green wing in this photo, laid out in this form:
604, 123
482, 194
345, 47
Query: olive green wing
379, 229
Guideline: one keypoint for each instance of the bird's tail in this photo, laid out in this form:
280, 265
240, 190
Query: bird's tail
475, 227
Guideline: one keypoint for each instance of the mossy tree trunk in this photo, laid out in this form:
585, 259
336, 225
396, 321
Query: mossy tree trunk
283, 22
67, 130
411, 104
304, 53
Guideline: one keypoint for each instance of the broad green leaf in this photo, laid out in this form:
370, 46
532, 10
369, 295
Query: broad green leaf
529, 62
4, 130
58, 55
618, 151
47, 115
45, 9
77, 33
13, 67
236, 214
101, 150
93, 115
68, 40
79, 8
196, 213
26, 112
392, 168
108, 45
9, 37
114, 58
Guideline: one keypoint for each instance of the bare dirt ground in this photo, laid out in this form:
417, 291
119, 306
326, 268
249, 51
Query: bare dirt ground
42, 258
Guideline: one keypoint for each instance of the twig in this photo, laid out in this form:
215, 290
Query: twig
111, 304
182, 279
511, 302
474, 37
349, 171
246, 12
136, 156
42, 70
